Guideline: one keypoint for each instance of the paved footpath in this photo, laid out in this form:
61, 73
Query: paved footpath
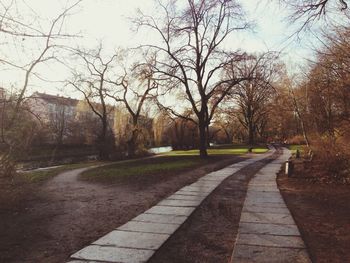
138, 239
267, 231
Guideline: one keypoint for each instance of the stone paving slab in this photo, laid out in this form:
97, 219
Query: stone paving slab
256, 183
270, 240
263, 203
191, 193
250, 254
198, 188
220, 174
138, 239
265, 199
215, 178
129, 239
148, 227
205, 183
261, 209
184, 203
261, 195
186, 197
166, 210
162, 219
267, 231
264, 181
211, 179
252, 217
113, 254
264, 189
275, 200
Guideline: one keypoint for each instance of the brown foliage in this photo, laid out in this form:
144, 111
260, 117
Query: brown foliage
333, 156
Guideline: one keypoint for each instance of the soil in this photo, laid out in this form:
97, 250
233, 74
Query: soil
321, 211
210, 232
48, 222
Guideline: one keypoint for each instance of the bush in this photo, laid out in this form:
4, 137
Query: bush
7, 164
298, 139
332, 154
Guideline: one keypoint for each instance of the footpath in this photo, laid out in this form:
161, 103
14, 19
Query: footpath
267, 231
141, 237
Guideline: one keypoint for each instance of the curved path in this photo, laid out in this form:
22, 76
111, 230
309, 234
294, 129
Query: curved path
138, 239
267, 231
68, 178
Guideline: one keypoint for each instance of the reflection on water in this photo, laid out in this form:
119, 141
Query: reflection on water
163, 149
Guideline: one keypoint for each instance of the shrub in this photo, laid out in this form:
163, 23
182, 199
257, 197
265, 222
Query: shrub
297, 139
7, 164
332, 154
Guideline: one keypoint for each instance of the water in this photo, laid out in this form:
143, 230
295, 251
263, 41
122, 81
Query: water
163, 149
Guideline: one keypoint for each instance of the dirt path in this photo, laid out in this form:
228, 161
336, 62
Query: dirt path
209, 233
57, 218
322, 213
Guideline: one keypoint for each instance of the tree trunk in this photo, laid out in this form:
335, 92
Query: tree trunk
202, 139
208, 136
131, 148
228, 137
250, 134
103, 144
132, 143
296, 108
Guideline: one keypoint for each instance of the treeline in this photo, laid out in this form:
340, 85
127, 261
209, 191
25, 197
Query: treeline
184, 87
323, 101
174, 76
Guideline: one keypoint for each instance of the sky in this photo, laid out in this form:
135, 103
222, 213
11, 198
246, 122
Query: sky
108, 21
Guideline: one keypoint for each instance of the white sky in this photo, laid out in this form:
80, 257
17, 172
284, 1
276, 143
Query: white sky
107, 21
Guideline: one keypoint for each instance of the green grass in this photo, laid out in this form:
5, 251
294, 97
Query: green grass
294, 147
143, 167
171, 161
220, 150
39, 176
260, 150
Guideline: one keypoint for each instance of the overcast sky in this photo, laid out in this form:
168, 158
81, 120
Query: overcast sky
108, 21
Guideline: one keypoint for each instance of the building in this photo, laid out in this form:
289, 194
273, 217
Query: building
72, 121
45, 107
2, 93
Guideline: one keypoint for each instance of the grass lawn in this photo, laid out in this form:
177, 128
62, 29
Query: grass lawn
173, 161
220, 150
41, 175
143, 167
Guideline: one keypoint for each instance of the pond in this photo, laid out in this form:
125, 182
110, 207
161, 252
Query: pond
162, 149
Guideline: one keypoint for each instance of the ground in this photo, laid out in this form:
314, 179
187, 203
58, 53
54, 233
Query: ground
210, 232
50, 220
321, 211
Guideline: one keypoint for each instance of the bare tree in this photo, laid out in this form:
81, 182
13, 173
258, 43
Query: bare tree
20, 31
224, 125
299, 115
137, 86
310, 11
182, 132
190, 58
58, 124
19, 34
161, 123
91, 82
252, 96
